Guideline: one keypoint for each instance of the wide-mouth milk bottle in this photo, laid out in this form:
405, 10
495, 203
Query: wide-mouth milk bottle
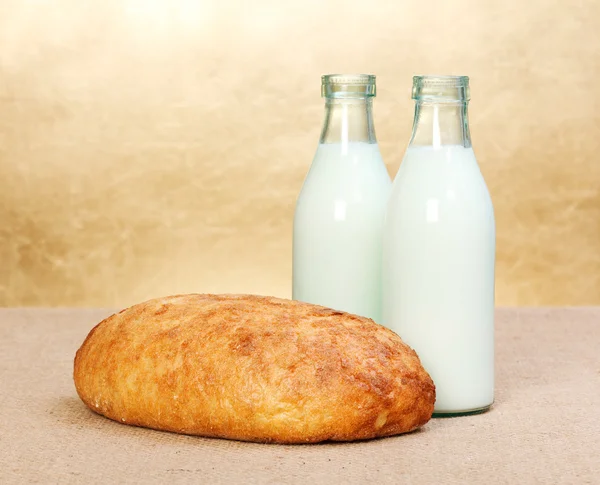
439, 250
338, 222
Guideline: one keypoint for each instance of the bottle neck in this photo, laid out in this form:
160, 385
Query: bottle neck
348, 120
441, 123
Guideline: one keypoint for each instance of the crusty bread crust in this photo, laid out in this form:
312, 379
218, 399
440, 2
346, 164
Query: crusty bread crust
252, 368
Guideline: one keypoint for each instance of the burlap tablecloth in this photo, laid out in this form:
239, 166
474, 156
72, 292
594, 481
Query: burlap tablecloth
543, 428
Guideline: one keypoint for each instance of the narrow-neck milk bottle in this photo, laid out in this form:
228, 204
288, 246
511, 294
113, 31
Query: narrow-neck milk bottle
338, 223
439, 250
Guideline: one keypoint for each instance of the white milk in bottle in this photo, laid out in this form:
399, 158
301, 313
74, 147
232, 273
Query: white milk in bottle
439, 251
338, 223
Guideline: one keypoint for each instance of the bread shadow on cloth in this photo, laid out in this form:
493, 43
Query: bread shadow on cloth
71, 411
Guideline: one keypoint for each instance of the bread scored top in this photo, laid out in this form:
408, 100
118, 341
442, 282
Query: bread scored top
252, 368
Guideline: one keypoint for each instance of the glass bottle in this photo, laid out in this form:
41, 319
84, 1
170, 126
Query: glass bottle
338, 222
439, 250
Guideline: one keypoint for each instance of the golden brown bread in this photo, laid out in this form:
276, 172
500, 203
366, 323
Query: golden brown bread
252, 368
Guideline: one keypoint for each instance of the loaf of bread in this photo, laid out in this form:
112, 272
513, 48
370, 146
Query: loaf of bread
252, 368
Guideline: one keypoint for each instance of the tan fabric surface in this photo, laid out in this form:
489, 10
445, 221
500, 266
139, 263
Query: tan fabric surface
544, 427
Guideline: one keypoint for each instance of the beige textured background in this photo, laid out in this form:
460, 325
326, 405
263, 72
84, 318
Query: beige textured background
153, 147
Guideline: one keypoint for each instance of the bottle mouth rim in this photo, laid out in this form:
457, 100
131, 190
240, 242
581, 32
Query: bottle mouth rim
442, 79
441, 88
348, 85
